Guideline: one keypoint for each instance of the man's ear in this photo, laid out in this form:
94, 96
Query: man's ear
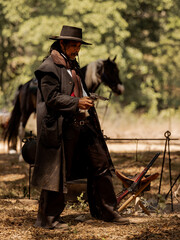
61, 43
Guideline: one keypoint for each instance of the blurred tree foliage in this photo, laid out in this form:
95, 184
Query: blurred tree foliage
144, 34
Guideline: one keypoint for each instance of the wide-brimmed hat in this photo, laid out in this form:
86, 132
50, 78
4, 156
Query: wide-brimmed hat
70, 33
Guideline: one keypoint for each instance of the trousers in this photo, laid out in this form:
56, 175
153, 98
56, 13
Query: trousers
85, 157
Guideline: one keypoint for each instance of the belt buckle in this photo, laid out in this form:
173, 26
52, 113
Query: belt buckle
81, 123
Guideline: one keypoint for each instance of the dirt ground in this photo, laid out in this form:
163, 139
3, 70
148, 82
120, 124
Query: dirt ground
18, 212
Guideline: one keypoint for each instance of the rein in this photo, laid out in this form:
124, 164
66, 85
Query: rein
106, 107
103, 75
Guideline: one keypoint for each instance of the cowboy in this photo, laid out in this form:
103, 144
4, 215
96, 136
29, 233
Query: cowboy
70, 143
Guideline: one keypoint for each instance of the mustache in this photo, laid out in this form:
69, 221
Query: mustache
74, 54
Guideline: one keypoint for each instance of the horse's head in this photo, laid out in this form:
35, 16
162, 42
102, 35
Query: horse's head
110, 76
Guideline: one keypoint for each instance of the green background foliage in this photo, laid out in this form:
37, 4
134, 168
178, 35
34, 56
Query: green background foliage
144, 34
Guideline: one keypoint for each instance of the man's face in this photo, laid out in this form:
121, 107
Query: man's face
71, 49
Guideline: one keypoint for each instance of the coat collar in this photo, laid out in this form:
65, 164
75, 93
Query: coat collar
60, 59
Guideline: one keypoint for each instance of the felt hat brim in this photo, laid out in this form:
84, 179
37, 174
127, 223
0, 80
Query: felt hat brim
69, 38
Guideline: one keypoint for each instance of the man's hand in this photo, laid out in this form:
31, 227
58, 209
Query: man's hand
85, 103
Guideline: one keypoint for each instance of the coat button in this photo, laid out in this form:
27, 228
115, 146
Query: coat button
70, 82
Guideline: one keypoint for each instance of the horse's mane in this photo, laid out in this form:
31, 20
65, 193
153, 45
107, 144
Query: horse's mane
92, 77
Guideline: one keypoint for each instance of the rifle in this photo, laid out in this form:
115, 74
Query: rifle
137, 179
95, 97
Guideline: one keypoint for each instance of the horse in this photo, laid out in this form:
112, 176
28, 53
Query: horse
95, 73
24, 106
103, 71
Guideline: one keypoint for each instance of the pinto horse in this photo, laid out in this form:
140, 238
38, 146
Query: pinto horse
103, 71
95, 73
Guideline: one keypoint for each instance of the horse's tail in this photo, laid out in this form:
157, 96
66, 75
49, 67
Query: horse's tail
11, 131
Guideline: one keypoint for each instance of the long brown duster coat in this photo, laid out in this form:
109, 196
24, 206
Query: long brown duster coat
53, 105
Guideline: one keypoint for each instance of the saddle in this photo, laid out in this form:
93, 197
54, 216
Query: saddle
127, 181
143, 185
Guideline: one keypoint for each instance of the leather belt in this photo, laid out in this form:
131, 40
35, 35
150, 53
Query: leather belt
78, 122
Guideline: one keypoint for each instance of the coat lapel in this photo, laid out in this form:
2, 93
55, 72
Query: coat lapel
67, 84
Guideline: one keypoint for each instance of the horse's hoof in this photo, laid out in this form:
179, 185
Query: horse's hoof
12, 151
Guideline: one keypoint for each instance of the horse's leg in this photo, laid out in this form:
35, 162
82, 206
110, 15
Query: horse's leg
21, 133
12, 146
28, 106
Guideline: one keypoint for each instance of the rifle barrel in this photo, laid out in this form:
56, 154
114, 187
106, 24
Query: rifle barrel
141, 175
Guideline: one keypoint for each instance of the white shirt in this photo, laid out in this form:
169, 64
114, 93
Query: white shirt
83, 91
